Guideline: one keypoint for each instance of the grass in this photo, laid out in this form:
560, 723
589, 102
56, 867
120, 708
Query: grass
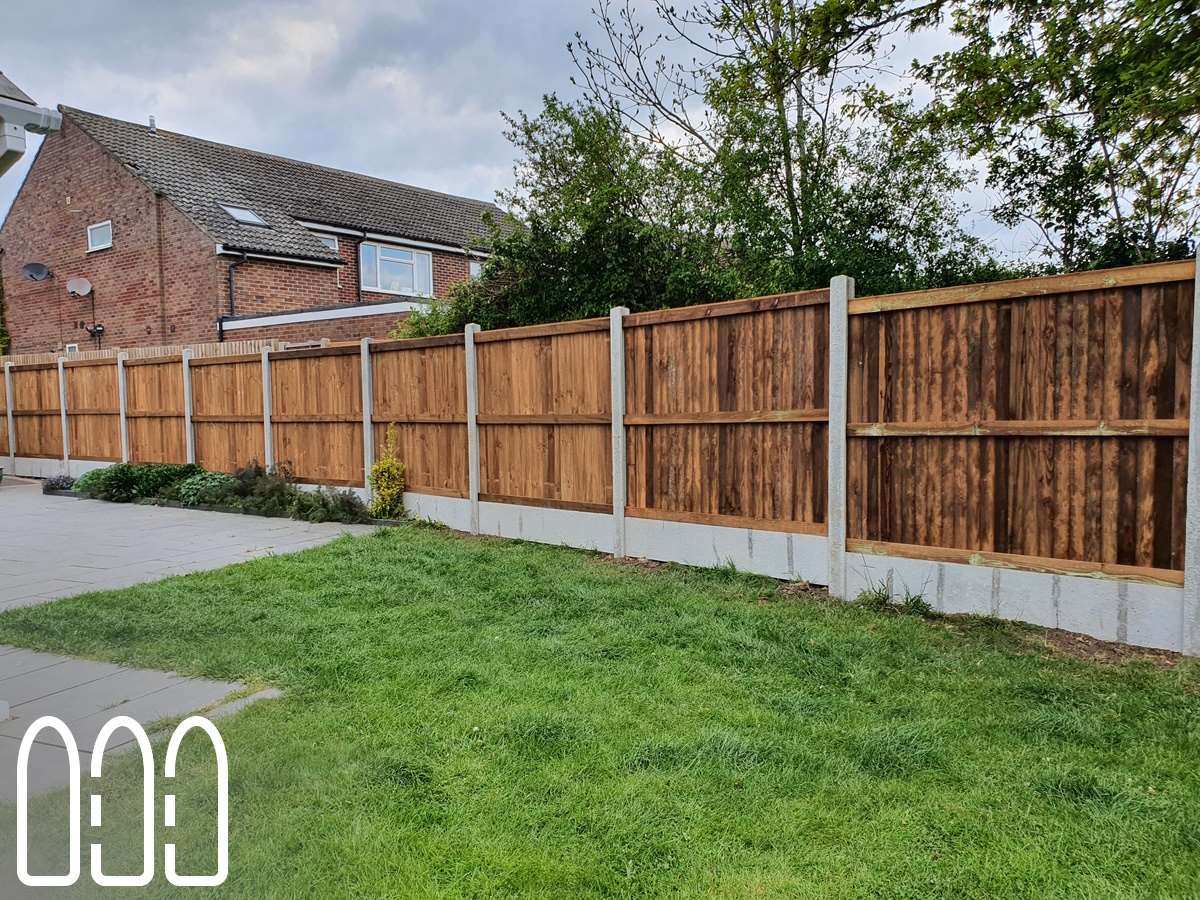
468, 717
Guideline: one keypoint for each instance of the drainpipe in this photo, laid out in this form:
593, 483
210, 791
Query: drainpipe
358, 266
232, 294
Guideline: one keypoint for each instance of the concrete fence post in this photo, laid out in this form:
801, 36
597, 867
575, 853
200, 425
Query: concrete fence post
841, 291
472, 423
368, 412
268, 442
189, 434
616, 347
62, 412
9, 397
122, 406
1190, 618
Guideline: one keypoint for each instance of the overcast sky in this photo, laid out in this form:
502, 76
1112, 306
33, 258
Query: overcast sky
409, 90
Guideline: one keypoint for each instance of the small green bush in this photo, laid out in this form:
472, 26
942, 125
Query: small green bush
387, 481
117, 484
206, 489
124, 482
327, 505
153, 479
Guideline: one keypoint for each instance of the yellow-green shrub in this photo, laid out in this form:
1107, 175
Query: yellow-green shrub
387, 481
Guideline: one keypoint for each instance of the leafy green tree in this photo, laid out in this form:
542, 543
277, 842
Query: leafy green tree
1085, 113
754, 166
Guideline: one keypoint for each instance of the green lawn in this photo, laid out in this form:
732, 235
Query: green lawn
469, 717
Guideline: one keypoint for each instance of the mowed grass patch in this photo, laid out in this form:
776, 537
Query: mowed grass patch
473, 717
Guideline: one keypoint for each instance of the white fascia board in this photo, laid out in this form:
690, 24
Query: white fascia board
350, 311
392, 239
223, 251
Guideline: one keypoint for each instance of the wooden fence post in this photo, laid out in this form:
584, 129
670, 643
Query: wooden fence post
12, 432
841, 290
189, 434
122, 410
1190, 613
368, 409
268, 444
472, 424
616, 347
62, 411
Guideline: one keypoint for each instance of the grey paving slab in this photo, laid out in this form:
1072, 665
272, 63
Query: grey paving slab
85, 695
53, 547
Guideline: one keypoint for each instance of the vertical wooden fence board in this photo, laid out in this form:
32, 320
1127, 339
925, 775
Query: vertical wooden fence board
316, 417
227, 413
1108, 355
93, 412
422, 393
154, 411
565, 463
715, 370
37, 419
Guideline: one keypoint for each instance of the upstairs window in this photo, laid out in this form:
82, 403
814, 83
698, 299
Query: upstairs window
476, 268
329, 241
396, 270
244, 216
99, 236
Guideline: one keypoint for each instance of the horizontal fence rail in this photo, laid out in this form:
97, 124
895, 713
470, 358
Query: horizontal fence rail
1039, 425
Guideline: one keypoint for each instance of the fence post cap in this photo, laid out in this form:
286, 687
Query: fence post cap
618, 311
472, 328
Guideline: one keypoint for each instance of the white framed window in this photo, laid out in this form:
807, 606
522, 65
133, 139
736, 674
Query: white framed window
100, 236
476, 269
395, 270
244, 216
329, 240
71, 348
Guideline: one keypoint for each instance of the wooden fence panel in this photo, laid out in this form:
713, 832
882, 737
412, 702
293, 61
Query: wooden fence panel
545, 416
227, 412
1052, 426
316, 414
4, 419
154, 410
36, 417
93, 410
727, 413
420, 388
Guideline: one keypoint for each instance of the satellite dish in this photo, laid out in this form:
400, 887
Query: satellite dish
35, 271
79, 287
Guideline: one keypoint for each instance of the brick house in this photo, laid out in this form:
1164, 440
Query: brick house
186, 241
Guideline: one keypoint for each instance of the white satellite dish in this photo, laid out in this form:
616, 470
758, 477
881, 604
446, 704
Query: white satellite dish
79, 287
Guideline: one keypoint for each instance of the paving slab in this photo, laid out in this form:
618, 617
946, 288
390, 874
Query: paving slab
85, 695
52, 547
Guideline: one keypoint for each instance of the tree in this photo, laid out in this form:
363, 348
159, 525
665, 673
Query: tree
600, 221
756, 165
1086, 113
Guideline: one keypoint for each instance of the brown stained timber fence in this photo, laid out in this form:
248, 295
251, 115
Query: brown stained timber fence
1038, 423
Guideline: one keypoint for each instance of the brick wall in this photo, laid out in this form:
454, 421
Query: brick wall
73, 184
349, 329
161, 282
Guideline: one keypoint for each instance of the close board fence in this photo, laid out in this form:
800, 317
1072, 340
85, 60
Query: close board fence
1038, 424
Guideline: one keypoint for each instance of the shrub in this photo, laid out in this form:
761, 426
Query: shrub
117, 484
269, 493
205, 488
57, 483
327, 505
387, 481
152, 479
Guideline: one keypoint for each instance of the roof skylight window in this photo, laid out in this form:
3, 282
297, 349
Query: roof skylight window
245, 216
